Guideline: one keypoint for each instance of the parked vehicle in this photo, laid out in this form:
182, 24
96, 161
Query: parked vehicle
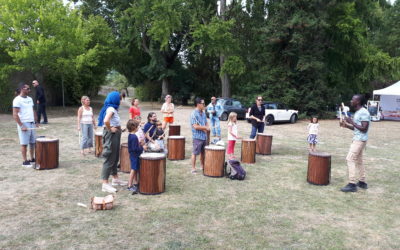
231, 105
277, 112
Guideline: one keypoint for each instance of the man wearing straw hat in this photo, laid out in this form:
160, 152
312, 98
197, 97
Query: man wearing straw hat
25, 116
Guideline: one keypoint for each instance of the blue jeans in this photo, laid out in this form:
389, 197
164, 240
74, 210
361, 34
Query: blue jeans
87, 136
216, 129
259, 127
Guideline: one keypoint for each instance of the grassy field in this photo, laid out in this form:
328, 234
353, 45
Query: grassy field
274, 208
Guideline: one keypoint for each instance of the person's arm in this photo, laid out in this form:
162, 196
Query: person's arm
164, 109
350, 124
252, 115
171, 112
80, 111
16, 118
197, 126
39, 94
107, 120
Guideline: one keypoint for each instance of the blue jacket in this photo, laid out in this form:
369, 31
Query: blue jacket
217, 108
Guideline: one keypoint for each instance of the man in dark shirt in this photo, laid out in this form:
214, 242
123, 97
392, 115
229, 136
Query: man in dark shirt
257, 114
40, 101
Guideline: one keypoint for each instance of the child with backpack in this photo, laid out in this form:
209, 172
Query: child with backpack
232, 135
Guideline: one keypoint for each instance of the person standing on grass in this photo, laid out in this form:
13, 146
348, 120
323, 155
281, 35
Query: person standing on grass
135, 148
257, 114
232, 135
86, 124
313, 128
214, 110
25, 116
199, 125
40, 101
134, 110
360, 125
168, 111
110, 120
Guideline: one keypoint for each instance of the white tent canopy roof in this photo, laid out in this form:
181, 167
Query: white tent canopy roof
391, 90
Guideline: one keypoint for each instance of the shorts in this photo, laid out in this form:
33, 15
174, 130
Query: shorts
312, 139
169, 119
135, 163
231, 147
198, 146
29, 136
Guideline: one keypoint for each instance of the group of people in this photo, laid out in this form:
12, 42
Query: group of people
142, 136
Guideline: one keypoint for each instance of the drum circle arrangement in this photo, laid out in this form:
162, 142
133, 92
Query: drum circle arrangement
46, 153
124, 161
248, 153
214, 161
176, 147
263, 144
319, 168
98, 143
152, 173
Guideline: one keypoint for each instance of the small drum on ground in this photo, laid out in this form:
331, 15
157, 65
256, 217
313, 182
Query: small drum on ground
176, 147
214, 161
152, 173
263, 144
98, 143
174, 129
46, 153
248, 154
319, 168
124, 160
208, 138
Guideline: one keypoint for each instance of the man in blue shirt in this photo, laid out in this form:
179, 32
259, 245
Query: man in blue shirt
199, 125
360, 125
150, 127
214, 110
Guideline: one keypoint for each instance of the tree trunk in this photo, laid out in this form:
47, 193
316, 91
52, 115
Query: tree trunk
165, 88
225, 83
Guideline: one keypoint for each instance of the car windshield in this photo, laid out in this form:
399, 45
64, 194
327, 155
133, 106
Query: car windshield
270, 106
236, 104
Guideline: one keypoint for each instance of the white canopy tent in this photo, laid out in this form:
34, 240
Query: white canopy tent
390, 101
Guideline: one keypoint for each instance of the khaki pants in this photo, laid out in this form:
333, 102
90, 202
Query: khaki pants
355, 162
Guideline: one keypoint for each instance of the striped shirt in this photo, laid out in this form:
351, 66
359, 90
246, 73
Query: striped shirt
198, 118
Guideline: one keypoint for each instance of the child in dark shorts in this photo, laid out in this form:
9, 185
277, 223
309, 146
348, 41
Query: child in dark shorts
135, 148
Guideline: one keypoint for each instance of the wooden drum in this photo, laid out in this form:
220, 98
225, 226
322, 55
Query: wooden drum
174, 129
319, 168
214, 161
152, 173
176, 147
98, 143
263, 144
46, 153
124, 160
248, 154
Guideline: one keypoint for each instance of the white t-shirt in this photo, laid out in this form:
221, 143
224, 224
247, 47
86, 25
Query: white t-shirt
167, 108
25, 105
87, 116
233, 130
115, 121
313, 128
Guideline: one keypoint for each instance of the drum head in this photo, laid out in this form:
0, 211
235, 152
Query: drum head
174, 125
320, 154
46, 139
152, 156
248, 140
263, 134
214, 147
176, 137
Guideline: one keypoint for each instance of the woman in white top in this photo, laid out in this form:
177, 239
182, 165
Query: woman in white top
86, 124
168, 111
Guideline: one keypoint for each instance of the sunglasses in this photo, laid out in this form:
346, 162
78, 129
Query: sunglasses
259, 100
27, 88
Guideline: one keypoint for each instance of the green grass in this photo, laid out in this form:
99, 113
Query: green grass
274, 208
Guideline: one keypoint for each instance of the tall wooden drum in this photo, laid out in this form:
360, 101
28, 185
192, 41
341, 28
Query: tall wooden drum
176, 147
248, 154
46, 153
152, 173
263, 144
319, 168
174, 129
208, 138
214, 161
124, 160
98, 143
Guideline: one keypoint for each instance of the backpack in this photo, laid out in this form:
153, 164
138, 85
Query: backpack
236, 171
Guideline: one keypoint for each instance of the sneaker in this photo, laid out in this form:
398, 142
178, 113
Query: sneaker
349, 188
108, 188
44, 123
32, 161
116, 182
132, 188
362, 184
26, 164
